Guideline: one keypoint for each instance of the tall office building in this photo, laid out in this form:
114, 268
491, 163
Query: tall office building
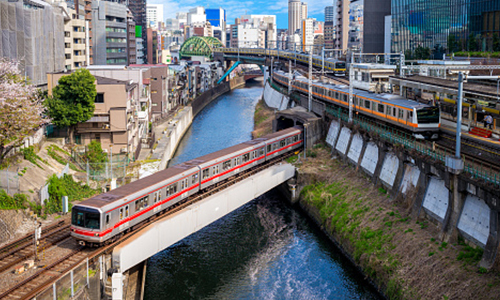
109, 24
307, 34
154, 14
297, 11
329, 14
429, 24
138, 9
366, 26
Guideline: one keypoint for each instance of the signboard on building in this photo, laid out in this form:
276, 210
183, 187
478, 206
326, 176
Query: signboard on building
138, 31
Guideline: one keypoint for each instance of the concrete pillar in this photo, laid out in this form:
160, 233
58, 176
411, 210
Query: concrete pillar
457, 200
399, 176
491, 249
382, 151
423, 183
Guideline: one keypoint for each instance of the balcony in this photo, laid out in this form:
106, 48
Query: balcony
88, 6
98, 119
80, 46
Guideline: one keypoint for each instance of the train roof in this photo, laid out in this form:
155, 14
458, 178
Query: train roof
123, 191
387, 98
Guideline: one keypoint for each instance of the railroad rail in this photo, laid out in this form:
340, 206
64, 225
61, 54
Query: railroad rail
28, 238
47, 275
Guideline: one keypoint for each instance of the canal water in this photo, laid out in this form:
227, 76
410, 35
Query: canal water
264, 250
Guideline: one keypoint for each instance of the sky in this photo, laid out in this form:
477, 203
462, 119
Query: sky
234, 8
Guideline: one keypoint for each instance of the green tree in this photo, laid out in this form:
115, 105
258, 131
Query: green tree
496, 42
452, 44
422, 53
94, 153
472, 43
72, 100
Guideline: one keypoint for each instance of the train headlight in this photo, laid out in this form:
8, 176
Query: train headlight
96, 234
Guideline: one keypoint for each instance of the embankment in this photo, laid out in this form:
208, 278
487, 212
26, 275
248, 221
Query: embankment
395, 243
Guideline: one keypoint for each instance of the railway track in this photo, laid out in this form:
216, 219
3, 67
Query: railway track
476, 154
23, 249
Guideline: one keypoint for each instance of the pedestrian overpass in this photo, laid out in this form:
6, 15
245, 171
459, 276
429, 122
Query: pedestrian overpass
174, 227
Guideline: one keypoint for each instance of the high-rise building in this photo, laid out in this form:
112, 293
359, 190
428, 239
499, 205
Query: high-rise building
294, 15
328, 35
154, 14
329, 14
366, 26
303, 11
217, 18
479, 19
341, 29
138, 9
131, 40
109, 27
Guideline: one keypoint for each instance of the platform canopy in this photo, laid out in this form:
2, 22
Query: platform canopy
199, 46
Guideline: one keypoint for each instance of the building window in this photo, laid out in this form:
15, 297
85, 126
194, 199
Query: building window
99, 98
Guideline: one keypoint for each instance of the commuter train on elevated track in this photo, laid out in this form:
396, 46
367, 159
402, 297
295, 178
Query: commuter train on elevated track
106, 217
421, 120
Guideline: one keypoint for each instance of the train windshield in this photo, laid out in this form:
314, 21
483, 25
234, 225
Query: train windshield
340, 65
428, 115
85, 217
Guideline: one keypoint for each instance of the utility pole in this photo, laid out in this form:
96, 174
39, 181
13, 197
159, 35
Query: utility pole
310, 80
290, 77
323, 61
351, 90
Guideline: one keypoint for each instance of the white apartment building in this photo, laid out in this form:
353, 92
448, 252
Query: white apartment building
154, 14
266, 23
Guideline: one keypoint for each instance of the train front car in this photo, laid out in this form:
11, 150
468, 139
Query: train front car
105, 217
340, 68
428, 120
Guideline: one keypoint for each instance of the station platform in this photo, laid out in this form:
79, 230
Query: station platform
450, 127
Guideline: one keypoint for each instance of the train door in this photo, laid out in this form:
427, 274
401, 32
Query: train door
107, 221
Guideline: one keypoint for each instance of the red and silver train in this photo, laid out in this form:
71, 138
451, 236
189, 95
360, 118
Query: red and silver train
104, 217
421, 120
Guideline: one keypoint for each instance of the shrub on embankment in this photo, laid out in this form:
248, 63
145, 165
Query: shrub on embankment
401, 254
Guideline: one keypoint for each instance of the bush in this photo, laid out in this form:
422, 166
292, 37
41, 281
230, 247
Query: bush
65, 186
94, 153
18, 201
30, 155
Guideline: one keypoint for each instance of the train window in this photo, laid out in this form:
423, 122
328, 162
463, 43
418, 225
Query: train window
275, 146
226, 165
159, 195
367, 104
410, 116
174, 188
155, 197
182, 184
394, 111
126, 211
194, 178
282, 143
269, 148
238, 161
217, 169
138, 205
345, 98
380, 108
252, 155
107, 219
261, 151
401, 114
337, 95
205, 174
145, 201
246, 157
121, 213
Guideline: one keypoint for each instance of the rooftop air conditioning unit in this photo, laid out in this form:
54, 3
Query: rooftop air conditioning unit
123, 150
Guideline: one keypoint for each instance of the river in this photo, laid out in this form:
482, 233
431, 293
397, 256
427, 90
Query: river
264, 250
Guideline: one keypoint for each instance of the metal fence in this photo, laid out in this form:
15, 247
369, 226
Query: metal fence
9, 181
395, 136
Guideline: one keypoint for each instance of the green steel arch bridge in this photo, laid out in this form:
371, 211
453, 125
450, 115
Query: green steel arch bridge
199, 46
